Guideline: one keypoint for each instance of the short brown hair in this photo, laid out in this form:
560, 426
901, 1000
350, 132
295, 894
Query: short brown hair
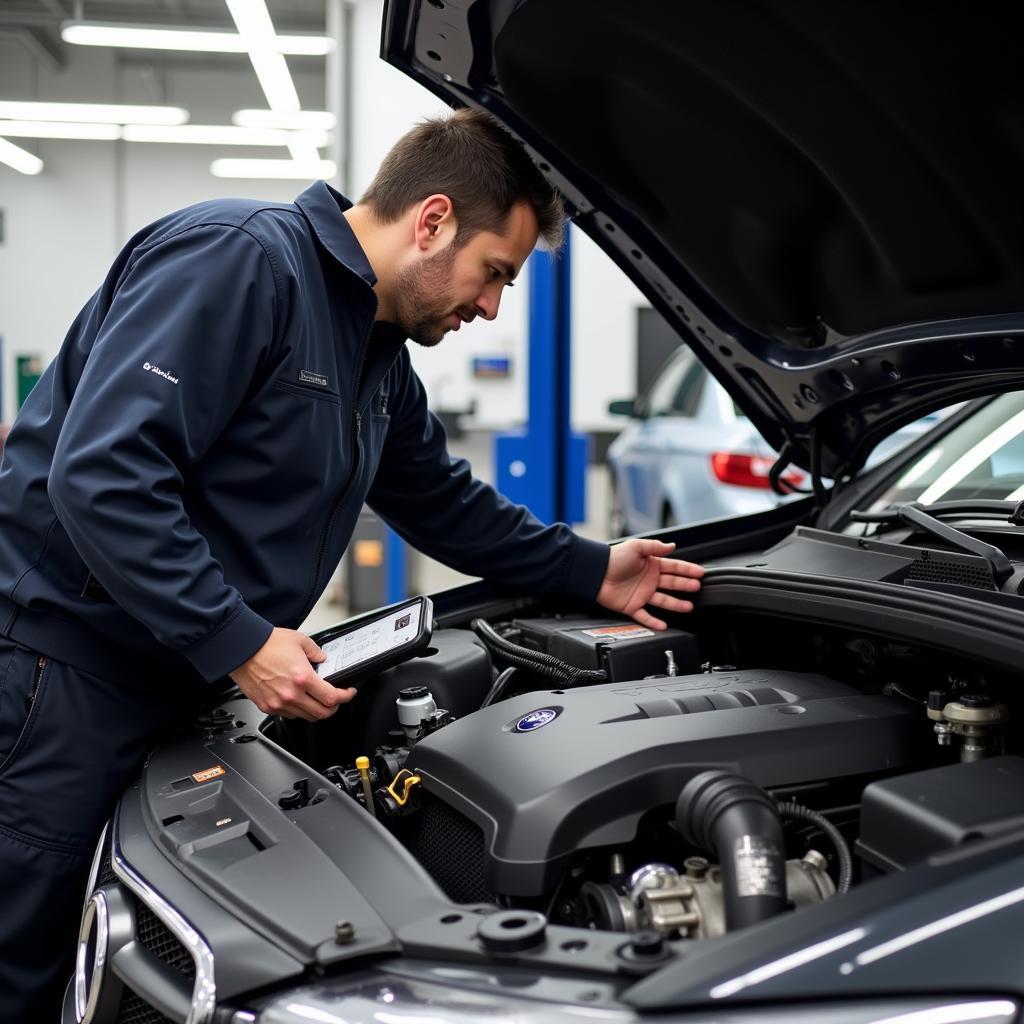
470, 158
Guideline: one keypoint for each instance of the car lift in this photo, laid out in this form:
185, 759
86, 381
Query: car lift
543, 465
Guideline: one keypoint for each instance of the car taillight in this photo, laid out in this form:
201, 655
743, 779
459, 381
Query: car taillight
749, 470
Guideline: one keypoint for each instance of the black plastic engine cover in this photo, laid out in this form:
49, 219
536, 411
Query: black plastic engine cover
549, 773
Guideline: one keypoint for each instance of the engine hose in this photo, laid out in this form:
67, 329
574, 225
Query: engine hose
797, 812
497, 690
535, 661
738, 822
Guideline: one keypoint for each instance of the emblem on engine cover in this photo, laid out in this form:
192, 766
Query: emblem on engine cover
536, 719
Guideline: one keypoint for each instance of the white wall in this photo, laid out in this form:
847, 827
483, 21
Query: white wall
64, 226
385, 104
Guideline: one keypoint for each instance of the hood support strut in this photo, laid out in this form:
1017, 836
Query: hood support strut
817, 488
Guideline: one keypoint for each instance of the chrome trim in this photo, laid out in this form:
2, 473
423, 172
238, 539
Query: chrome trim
89, 986
94, 871
204, 991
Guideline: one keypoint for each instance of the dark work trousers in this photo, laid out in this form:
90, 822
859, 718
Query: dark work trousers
70, 742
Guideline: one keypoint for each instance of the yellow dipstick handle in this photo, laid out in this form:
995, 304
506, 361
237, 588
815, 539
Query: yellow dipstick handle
408, 782
363, 764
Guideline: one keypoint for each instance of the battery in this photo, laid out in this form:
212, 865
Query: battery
622, 649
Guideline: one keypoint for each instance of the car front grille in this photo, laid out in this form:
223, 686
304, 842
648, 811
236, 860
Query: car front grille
155, 936
135, 1010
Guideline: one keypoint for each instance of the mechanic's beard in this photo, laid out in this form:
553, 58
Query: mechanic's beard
423, 299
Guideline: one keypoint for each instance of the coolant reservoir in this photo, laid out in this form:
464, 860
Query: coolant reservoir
414, 704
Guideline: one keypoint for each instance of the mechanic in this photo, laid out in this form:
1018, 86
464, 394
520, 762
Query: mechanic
178, 488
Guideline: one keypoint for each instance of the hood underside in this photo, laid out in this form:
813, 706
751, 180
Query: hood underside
823, 197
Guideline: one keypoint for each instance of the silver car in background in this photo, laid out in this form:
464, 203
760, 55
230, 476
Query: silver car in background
689, 454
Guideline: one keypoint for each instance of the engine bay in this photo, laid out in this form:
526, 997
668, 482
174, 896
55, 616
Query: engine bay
672, 785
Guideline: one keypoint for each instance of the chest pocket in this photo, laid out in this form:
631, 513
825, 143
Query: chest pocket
308, 390
301, 434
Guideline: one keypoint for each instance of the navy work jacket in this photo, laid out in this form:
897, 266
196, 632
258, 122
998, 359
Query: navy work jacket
188, 471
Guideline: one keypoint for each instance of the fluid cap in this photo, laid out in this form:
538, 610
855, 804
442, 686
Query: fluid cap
414, 704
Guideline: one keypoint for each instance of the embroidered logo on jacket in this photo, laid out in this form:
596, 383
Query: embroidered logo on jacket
309, 377
160, 373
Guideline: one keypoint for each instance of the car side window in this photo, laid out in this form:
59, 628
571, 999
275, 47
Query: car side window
687, 398
677, 389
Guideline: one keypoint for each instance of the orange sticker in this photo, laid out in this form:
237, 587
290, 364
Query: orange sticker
627, 632
210, 773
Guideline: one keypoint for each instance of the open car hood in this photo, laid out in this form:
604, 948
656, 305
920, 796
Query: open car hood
823, 198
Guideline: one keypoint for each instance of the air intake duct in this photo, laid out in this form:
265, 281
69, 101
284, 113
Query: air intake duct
739, 823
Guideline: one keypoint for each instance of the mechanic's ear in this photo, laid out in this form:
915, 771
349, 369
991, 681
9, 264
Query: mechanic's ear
435, 226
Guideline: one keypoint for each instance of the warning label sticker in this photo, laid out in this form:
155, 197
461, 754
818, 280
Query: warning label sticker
756, 871
618, 632
210, 773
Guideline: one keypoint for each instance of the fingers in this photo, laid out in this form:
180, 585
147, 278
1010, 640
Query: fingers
311, 649
670, 604
677, 567
309, 708
645, 618
652, 547
326, 693
680, 584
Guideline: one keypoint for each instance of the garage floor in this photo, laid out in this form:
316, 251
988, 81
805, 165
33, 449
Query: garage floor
428, 576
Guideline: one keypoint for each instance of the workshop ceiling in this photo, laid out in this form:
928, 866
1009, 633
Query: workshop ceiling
288, 15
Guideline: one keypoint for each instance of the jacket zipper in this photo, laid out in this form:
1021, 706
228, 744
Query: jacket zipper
36, 682
358, 423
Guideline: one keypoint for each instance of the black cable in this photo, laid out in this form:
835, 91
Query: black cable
820, 494
798, 812
534, 661
497, 690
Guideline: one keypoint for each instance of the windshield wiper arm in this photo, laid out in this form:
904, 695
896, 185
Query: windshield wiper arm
988, 508
916, 515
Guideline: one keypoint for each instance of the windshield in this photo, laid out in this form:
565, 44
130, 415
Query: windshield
981, 458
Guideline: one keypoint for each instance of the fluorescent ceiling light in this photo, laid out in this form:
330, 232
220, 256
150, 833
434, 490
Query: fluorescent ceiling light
252, 19
105, 113
146, 37
59, 130
308, 170
298, 120
275, 80
18, 158
220, 135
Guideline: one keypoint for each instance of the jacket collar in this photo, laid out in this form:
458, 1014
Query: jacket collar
323, 207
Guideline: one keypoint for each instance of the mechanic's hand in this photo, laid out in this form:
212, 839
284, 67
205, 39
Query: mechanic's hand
637, 574
280, 680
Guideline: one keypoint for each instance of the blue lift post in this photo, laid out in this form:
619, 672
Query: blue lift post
544, 465
395, 556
